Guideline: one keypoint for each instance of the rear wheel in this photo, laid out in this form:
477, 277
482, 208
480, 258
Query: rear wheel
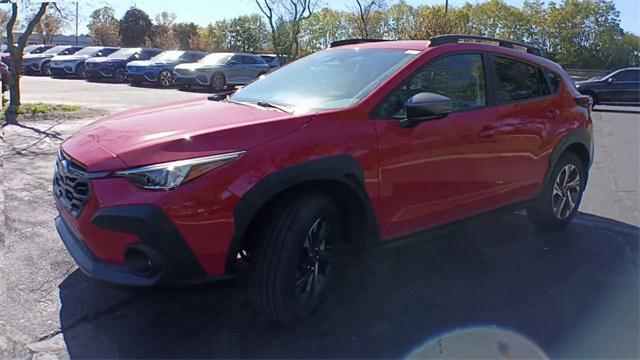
165, 78
297, 258
592, 97
558, 202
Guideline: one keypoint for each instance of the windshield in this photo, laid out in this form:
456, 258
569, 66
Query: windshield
123, 53
92, 50
331, 79
168, 56
215, 59
56, 49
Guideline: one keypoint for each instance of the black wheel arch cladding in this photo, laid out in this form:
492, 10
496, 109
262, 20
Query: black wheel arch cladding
342, 169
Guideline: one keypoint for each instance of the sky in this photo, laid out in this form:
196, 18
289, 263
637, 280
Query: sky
203, 12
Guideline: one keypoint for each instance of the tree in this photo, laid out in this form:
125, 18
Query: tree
322, 28
247, 34
51, 24
184, 34
162, 35
135, 28
363, 11
104, 27
4, 19
285, 18
16, 49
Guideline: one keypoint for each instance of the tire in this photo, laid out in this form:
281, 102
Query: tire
120, 75
165, 79
594, 98
288, 275
80, 71
218, 82
552, 209
45, 69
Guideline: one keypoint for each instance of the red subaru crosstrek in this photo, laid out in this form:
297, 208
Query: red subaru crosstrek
359, 144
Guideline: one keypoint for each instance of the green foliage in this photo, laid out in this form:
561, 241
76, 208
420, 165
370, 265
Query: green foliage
41, 108
104, 27
135, 28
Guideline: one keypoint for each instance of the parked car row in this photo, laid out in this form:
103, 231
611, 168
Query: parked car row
187, 69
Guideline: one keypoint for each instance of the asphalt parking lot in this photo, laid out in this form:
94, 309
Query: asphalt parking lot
573, 293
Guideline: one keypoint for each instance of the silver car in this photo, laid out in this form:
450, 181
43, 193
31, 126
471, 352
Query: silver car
63, 65
219, 70
41, 63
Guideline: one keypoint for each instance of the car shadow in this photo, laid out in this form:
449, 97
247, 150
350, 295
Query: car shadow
619, 111
493, 269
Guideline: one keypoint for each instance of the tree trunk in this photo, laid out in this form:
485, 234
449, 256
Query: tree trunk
16, 58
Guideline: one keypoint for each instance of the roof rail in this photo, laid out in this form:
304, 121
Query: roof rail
353, 41
450, 39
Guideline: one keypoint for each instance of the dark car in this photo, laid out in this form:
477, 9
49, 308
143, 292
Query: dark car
114, 66
354, 146
620, 87
218, 70
159, 69
65, 65
271, 59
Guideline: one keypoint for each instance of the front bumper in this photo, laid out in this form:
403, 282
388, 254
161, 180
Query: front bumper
159, 257
98, 73
199, 80
63, 70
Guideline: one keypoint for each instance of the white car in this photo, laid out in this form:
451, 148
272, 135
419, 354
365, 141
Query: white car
65, 65
40, 64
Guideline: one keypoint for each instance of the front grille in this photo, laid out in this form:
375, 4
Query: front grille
70, 185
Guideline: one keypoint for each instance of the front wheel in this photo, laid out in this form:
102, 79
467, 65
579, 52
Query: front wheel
80, 74
165, 79
46, 69
218, 82
558, 201
297, 257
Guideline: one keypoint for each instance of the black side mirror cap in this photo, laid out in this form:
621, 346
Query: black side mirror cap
424, 107
610, 80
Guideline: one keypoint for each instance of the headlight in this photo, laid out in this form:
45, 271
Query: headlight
577, 86
167, 176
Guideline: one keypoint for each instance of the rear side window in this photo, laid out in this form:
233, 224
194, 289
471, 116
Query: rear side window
517, 80
627, 75
459, 77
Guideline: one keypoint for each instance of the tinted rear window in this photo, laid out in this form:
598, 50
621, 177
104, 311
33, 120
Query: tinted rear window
517, 80
554, 81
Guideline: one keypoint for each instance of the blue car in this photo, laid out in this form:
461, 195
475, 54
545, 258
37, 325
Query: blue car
114, 66
159, 69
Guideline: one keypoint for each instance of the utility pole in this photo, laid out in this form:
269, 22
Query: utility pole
76, 22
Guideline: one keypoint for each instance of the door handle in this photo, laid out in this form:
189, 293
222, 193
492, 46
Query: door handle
553, 113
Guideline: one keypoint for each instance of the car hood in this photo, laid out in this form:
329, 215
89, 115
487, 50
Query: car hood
70, 57
99, 60
37, 56
195, 66
177, 131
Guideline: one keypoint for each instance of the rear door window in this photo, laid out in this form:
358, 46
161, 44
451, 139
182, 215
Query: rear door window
553, 79
517, 80
627, 75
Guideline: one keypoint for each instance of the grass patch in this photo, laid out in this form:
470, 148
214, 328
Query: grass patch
41, 108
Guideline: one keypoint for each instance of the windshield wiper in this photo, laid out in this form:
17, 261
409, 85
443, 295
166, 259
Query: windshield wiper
267, 104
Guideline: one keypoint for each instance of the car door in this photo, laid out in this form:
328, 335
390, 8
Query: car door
234, 69
445, 169
249, 68
530, 113
625, 86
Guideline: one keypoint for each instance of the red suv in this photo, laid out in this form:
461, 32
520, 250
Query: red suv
349, 147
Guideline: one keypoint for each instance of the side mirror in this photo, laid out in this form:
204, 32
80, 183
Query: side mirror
136, 57
424, 107
610, 80
232, 62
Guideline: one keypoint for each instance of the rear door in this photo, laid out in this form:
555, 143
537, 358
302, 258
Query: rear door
530, 108
445, 169
625, 86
